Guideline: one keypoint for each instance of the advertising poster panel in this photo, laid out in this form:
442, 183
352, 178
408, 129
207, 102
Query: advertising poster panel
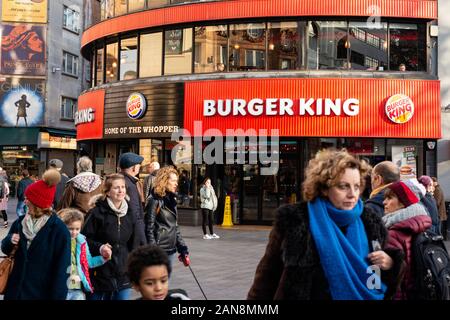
24, 11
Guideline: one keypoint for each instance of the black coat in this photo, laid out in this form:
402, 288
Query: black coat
135, 207
23, 184
102, 226
291, 269
40, 272
60, 190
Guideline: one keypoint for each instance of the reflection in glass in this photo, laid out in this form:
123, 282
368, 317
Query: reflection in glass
313, 46
211, 49
285, 44
128, 59
332, 44
111, 62
136, 5
178, 51
408, 46
150, 64
107, 9
99, 67
368, 46
247, 47
120, 7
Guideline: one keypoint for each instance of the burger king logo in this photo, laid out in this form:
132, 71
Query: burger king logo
136, 106
399, 108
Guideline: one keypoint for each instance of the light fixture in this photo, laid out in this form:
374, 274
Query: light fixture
236, 46
271, 46
347, 44
114, 64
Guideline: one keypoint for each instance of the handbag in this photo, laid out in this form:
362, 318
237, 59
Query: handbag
6, 266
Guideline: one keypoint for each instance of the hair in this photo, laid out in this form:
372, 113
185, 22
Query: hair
70, 215
389, 194
388, 171
206, 179
39, 212
155, 165
109, 181
25, 173
144, 257
162, 178
325, 169
84, 164
434, 179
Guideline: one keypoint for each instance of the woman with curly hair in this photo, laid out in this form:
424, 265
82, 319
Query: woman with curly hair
328, 247
161, 227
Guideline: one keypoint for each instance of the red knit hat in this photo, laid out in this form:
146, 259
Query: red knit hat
403, 193
42, 192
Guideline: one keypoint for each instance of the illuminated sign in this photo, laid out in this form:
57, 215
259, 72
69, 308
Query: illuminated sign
136, 106
399, 108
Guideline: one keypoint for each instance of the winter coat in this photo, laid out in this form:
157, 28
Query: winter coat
291, 269
161, 227
4, 200
85, 262
431, 207
148, 184
400, 237
208, 198
440, 202
23, 184
60, 190
79, 190
40, 272
103, 226
136, 207
375, 203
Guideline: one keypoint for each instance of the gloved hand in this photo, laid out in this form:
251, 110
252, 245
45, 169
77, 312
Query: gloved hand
185, 259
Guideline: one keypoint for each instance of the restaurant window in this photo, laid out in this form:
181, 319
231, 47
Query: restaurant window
99, 66
106, 9
368, 46
120, 7
178, 51
408, 46
92, 68
313, 46
285, 45
111, 62
211, 49
136, 5
332, 44
247, 47
150, 64
128, 58
157, 3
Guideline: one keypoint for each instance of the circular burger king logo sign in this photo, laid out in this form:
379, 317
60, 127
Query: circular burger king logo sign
399, 108
136, 106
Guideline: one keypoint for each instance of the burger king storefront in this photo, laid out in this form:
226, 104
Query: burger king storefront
269, 128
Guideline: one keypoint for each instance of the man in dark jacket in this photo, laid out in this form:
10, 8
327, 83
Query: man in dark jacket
58, 165
383, 174
130, 164
23, 184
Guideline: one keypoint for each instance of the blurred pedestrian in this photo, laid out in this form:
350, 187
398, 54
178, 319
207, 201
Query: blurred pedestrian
23, 184
4, 195
430, 203
440, 201
148, 182
58, 165
208, 204
43, 246
321, 249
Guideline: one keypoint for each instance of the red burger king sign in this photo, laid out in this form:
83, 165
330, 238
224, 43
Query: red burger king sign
399, 108
136, 106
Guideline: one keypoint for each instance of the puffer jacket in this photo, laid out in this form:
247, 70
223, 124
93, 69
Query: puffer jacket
208, 198
161, 227
79, 190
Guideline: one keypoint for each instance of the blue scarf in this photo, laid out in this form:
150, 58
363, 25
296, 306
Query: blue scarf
343, 257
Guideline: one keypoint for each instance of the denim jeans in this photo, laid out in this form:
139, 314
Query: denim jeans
75, 294
124, 294
20, 209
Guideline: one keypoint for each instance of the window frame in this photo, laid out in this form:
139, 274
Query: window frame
70, 28
62, 112
64, 64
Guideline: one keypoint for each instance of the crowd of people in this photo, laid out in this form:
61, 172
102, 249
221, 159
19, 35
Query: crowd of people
97, 238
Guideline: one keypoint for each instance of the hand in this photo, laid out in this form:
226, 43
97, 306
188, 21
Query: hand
15, 238
381, 259
185, 259
105, 251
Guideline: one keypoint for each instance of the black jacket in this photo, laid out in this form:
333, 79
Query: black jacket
375, 204
23, 184
135, 206
291, 269
60, 190
161, 227
102, 226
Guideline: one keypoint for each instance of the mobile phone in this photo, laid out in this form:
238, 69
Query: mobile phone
376, 245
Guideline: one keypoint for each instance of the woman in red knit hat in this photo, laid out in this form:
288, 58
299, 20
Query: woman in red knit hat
404, 218
42, 259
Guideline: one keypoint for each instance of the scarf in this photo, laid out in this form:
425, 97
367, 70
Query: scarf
31, 226
343, 257
414, 210
122, 211
378, 190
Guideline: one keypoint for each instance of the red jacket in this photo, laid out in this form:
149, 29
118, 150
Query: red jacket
400, 237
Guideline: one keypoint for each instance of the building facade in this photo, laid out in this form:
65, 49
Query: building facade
308, 76
42, 74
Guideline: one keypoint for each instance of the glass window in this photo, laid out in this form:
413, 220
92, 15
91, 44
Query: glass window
211, 49
71, 19
92, 68
99, 66
247, 47
368, 46
178, 51
107, 9
68, 107
332, 45
70, 64
120, 7
285, 43
111, 62
136, 5
408, 46
150, 55
128, 58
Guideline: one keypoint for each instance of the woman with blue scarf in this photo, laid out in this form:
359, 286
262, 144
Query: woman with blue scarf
328, 247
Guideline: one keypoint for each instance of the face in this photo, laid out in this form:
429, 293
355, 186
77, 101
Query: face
392, 204
31, 207
35, 44
402, 68
208, 183
172, 183
345, 193
430, 188
154, 283
118, 190
74, 229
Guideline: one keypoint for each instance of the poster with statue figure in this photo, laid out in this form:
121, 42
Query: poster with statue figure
22, 102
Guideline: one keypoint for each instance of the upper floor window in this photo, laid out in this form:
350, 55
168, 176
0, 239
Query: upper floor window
408, 46
70, 64
128, 59
68, 107
71, 19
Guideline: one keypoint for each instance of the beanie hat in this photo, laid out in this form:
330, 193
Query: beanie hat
403, 193
426, 181
42, 192
129, 159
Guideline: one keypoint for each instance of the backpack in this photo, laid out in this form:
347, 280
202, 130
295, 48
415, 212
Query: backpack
431, 267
